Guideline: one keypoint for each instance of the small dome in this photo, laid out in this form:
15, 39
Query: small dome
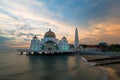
64, 37
49, 34
35, 37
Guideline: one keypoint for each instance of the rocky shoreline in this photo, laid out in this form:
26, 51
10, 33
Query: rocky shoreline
110, 65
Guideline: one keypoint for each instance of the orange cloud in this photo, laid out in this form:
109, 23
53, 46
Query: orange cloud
17, 43
103, 31
20, 46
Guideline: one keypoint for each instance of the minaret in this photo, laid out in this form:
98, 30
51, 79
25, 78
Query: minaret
76, 43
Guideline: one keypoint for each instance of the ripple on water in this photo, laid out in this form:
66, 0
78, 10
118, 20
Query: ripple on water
22, 67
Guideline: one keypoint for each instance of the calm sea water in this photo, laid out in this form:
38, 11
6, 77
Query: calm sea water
21, 67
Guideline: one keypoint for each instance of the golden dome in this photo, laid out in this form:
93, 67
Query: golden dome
49, 34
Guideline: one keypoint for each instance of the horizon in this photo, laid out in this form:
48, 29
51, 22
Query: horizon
97, 21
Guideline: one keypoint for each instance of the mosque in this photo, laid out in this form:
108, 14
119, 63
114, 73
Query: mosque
50, 43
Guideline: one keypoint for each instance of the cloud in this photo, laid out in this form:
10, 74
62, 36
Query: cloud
103, 31
95, 19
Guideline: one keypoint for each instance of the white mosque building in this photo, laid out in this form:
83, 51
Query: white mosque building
49, 43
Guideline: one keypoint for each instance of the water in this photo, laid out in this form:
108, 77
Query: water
21, 67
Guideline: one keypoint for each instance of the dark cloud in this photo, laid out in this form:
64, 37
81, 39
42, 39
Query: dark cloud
2, 42
1, 32
3, 39
25, 34
12, 16
82, 12
12, 32
102, 11
26, 39
28, 35
25, 27
7, 32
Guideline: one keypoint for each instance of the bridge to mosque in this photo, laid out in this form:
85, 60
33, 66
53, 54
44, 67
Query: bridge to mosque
29, 52
57, 52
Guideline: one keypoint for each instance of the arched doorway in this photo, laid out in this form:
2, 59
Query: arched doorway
50, 45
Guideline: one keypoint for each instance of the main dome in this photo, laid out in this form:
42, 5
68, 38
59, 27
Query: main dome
49, 34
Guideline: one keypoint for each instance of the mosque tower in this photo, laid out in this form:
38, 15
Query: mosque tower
76, 42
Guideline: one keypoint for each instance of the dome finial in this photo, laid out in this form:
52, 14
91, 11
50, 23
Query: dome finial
35, 37
49, 29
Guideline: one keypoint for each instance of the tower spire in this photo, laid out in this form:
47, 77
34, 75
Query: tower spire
76, 42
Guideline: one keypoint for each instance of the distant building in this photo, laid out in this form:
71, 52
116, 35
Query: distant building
103, 44
90, 48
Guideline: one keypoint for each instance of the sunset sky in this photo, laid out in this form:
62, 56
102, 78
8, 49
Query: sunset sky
96, 20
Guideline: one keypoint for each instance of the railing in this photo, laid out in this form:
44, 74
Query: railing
27, 50
23, 50
77, 52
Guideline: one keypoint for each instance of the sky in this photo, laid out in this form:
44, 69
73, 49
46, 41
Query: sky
96, 20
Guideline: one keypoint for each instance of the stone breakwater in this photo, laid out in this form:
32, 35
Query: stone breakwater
110, 65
